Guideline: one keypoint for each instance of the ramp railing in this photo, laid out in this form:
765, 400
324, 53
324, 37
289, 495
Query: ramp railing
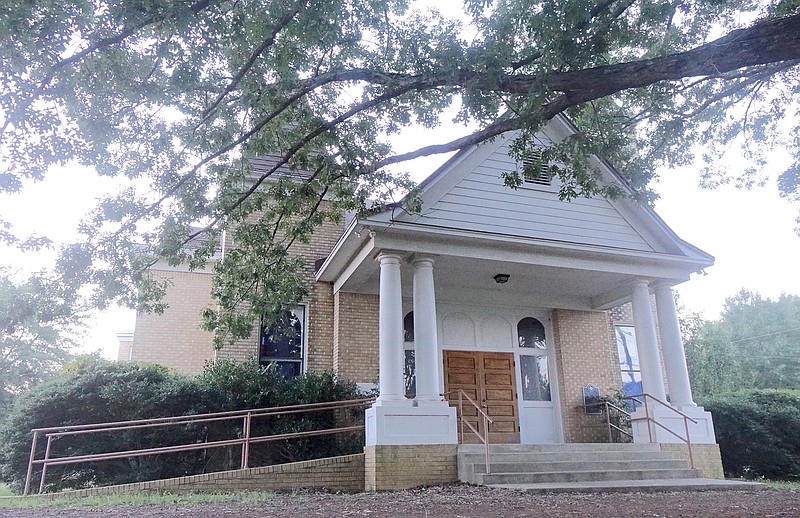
245, 417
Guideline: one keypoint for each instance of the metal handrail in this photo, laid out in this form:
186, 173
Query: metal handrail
486, 421
649, 419
607, 406
247, 416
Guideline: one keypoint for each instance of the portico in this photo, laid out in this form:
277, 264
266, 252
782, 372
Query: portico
524, 347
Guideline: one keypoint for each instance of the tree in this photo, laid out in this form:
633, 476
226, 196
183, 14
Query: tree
179, 94
754, 345
37, 324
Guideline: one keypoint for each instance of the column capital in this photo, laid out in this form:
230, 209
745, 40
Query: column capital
422, 261
389, 258
662, 286
641, 282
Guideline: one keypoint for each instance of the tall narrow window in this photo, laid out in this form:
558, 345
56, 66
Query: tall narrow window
282, 343
534, 372
409, 367
628, 360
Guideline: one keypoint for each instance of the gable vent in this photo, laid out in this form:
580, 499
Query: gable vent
535, 169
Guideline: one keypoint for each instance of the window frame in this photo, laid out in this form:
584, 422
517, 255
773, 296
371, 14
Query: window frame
632, 373
303, 342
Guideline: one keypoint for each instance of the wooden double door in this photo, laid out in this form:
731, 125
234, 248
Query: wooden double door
489, 379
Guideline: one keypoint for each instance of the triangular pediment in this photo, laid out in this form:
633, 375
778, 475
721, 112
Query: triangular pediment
468, 194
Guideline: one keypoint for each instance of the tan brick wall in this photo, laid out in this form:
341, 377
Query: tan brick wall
355, 339
585, 354
319, 304
345, 473
402, 467
174, 338
706, 458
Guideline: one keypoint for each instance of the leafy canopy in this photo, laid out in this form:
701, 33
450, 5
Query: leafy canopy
754, 345
177, 95
38, 323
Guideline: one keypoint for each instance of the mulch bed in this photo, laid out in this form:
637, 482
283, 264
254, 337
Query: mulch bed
462, 501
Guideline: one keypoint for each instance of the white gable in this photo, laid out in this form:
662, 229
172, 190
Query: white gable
469, 195
481, 202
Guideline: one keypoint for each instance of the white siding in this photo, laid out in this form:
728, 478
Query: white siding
480, 202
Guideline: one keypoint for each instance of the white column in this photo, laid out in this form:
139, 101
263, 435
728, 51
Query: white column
390, 330
680, 390
425, 340
646, 341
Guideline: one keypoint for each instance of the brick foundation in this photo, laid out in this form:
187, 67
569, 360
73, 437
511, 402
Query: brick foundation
402, 467
706, 458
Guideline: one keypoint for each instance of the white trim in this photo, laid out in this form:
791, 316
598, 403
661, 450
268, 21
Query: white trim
303, 344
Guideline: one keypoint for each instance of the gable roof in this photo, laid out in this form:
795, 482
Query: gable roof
467, 194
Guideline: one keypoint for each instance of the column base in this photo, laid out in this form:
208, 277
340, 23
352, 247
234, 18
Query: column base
700, 433
399, 422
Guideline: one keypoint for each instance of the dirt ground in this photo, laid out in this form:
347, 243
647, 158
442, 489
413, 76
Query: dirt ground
462, 501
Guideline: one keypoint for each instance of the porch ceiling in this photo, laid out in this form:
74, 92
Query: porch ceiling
541, 274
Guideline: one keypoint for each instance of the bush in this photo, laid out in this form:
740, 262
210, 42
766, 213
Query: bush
758, 432
92, 390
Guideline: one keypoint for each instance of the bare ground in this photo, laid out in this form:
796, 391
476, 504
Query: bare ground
461, 501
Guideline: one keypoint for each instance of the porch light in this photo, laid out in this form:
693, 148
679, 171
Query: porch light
501, 278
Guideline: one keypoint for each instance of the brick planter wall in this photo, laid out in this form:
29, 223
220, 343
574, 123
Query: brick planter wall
406, 466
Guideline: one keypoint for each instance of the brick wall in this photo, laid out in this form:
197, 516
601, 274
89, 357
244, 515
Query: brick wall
174, 338
355, 338
319, 304
345, 473
402, 467
585, 354
706, 458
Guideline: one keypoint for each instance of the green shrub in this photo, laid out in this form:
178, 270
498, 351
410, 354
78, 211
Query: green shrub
229, 385
758, 432
92, 390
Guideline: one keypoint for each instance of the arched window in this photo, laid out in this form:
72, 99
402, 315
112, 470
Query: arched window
533, 361
531, 333
408, 327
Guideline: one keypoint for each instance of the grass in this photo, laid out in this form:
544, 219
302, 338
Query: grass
793, 485
5, 490
133, 499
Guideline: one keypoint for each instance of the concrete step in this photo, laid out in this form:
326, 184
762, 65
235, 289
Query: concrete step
586, 476
581, 465
554, 448
629, 486
580, 456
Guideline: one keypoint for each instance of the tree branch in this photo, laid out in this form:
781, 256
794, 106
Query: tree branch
268, 42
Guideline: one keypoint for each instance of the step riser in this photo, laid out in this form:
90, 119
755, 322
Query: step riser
571, 457
558, 448
585, 476
535, 467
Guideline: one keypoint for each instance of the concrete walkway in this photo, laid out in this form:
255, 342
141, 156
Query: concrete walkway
629, 486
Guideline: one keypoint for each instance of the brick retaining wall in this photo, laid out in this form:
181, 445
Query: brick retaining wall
345, 473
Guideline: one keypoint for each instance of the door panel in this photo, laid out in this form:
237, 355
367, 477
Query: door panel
490, 376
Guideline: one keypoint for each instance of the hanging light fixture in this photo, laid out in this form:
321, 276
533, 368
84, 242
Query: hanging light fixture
501, 278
